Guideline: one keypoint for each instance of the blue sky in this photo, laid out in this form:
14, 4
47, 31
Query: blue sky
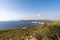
29, 9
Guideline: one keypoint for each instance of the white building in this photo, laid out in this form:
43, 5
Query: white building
38, 22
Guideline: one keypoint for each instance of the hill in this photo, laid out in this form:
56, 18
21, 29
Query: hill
49, 31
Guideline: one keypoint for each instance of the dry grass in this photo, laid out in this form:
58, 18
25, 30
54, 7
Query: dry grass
45, 32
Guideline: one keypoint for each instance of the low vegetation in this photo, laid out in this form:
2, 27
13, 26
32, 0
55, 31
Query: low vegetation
49, 31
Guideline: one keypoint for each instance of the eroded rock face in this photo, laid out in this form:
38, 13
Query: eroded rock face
30, 38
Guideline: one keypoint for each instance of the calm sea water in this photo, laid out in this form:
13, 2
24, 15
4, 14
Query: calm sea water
15, 24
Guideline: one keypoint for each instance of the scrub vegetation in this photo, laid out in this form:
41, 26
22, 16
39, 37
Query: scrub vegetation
49, 31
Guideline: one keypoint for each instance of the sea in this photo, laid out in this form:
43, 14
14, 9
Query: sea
5, 25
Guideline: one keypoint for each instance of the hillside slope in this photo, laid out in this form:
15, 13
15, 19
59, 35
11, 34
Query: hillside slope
45, 32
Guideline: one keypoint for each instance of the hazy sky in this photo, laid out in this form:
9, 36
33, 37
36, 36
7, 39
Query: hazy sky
29, 9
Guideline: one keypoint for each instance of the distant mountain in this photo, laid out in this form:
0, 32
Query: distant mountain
38, 20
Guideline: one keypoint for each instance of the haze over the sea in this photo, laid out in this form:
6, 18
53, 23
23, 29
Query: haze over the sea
29, 10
